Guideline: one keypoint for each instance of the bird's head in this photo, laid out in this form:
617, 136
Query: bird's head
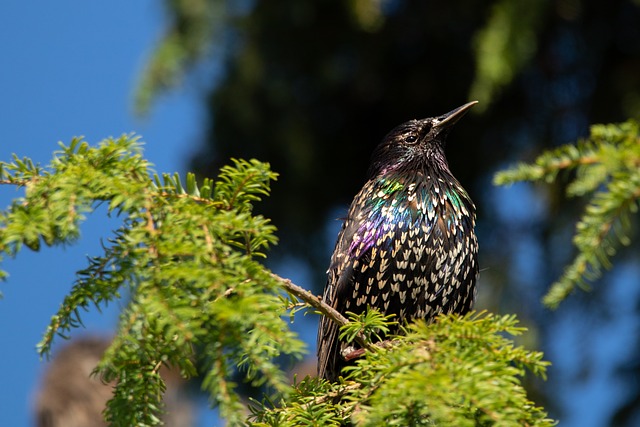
416, 141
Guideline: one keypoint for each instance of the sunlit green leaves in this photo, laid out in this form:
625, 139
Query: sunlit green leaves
240, 185
607, 173
57, 198
458, 371
371, 325
185, 255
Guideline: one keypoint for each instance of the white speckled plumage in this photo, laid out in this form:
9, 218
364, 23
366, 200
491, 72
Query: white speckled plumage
408, 245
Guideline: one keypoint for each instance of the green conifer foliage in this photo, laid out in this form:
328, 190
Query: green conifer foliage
607, 175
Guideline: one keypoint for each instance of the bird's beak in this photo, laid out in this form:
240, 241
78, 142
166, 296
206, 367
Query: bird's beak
452, 117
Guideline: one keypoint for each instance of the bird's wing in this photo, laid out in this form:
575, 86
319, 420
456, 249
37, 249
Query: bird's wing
339, 281
338, 276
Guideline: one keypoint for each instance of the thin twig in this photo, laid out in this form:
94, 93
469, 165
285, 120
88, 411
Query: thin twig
197, 199
317, 303
312, 300
332, 395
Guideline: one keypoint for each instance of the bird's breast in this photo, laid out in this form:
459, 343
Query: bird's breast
395, 214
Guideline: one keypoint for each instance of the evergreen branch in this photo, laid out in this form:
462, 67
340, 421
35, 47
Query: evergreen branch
431, 376
203, 200
547, 166
169, 232
312, 300
170, 186
242, 184
614, 146
607, 166
324, 308
595, 238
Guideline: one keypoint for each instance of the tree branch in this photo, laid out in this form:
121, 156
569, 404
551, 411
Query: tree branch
317, 303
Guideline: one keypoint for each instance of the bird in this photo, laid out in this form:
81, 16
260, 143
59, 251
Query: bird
407, 246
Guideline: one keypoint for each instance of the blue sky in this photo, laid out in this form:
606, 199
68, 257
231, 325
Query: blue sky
69, 68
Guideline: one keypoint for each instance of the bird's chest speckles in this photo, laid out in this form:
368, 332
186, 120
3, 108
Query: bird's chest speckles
411, 247
397, 214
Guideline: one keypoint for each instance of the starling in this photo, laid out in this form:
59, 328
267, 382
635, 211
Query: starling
408, 245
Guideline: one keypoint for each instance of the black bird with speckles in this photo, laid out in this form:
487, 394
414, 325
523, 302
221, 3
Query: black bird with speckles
408, 245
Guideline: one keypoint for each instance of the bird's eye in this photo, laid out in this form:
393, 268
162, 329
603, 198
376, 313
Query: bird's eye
411, 138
